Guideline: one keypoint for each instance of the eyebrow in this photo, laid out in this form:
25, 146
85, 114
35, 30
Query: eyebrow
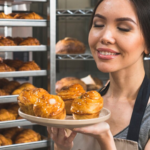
118, 19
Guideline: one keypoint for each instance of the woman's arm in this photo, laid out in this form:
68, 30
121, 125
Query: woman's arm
147, 147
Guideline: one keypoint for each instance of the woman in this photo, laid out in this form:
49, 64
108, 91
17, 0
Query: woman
119, 38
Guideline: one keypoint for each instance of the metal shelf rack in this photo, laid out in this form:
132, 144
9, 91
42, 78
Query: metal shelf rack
23, 73
23, 22
24, 146
79, 12
23, 48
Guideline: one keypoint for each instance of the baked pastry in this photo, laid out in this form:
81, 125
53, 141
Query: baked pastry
69, 94
13, 63
22, 87
27, 135
70, 46
5, 141
5, 115
7, 42
4, 16
11, 132
30, 41
88, 106
32, 15
28, 97
3, 93
27, 66
11, 86
13, 108
17, 40
50, 106
68, 81
5, 68
3, 82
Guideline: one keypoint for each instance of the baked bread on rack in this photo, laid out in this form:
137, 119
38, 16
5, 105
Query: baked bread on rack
50, 106
68, 81
3, 82
5, 141
28, 97
13, 108
22, 87
17, 40
4, 16
5, 115
31, 15
87, 106
27, 135
27, 66
7, 42
11, 86
69, 94
13, 63
30, 41
3, 93
70, 46
5, 68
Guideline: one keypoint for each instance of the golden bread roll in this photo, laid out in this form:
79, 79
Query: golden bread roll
67, 82
88, 106
31, 65
7, 42
13, 108
69, 94
3, 93
70, 46
4, 16
26, 136
5, 141
32, 15
28, 97
30, 41
11, 132
13, 63
3, 82
5, 115
50, 106
5, 68
22, 87
11, 86
17, 40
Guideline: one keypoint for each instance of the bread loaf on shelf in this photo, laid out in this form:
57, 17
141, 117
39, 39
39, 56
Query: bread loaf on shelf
70, 46
5, 68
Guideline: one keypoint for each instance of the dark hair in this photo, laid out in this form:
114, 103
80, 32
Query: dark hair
142, 8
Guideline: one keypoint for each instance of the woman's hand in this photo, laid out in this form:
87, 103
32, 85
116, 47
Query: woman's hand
62, 139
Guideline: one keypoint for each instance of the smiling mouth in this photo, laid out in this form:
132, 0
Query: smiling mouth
107, 53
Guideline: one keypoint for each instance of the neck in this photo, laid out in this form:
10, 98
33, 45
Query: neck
126, 83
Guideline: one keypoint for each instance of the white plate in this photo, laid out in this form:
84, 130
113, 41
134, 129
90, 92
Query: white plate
68, 122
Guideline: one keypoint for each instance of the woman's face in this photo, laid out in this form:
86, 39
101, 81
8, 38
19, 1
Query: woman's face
115, 39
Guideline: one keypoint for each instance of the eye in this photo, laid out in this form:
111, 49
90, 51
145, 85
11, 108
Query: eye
98, 25
124, 29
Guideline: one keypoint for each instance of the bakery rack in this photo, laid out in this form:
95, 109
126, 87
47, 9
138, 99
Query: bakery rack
7, 24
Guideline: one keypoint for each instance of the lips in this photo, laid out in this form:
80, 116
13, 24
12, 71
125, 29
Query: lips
107, 54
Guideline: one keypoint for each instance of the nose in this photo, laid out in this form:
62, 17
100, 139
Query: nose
107, 37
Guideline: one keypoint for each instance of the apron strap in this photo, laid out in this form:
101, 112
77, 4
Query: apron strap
139, 110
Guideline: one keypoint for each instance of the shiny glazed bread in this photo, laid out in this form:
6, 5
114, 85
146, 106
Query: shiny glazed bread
69, 94
67, 82
5, 141
70, 46
30, 41
22, 87
88, 106
50, 106
28, 97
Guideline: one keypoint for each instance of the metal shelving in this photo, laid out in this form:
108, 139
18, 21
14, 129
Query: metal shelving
25, 146
8, 99
15, 123
75, 57
23, 22
23, 73
23, 48
79, 12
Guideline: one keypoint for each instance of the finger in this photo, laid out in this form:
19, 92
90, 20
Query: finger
61, 135
71, 137
49, 129
54, 133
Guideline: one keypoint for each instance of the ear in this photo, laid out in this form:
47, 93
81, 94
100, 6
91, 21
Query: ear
146, 52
